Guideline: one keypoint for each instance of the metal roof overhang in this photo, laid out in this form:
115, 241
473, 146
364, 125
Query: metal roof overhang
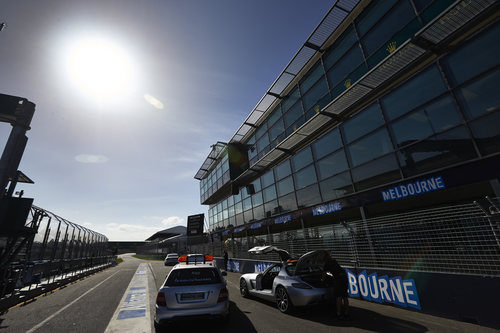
408, 53
211, 158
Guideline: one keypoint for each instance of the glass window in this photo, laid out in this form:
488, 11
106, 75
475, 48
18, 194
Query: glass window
481, 95
332, 165
308, 196
314, 95
443, 114
336, 187
413, 93
292, 115
373, 14
283, 170
230, 201
327, 143
248, 215
238, 208
487, 133
369, 147
257, 199
269, 193
261, 130
445, 149
287, 203
362, 123
271, 208
411, 128
380, 171
311, 77
290, 100
341, 45
275, 115
267, 179
231, 211
247, 204
285, 186
276, 130
237, 197
346, 65
473, 58
263, 142
258, 212
302, 158
256, 185
392, 22
305, 177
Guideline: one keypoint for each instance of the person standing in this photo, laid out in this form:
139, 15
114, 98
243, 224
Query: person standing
340, 284
226, 257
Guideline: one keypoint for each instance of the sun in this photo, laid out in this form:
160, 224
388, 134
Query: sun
99, 68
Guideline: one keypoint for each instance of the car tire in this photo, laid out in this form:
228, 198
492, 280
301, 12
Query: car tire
283, 301
244, 288
159, 328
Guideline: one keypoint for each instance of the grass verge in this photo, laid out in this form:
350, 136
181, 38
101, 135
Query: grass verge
119, 260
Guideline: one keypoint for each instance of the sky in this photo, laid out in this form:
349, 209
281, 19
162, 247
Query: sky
115, 143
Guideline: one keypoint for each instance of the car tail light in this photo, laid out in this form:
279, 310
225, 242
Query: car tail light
301, 286
209, 258
182, 259
160, 299
223, 295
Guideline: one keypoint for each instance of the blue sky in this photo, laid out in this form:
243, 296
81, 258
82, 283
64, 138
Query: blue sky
119, 165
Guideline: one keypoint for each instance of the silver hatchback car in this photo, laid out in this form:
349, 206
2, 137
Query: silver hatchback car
192, 290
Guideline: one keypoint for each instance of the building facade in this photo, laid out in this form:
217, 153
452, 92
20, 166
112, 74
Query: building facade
396, 110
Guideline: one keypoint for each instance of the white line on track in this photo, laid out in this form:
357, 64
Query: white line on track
34, 328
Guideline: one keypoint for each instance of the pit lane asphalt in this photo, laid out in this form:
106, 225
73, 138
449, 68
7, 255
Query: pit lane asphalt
99, 295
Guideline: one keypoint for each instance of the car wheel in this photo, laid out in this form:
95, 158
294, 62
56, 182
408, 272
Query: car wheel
283, 301
244, 288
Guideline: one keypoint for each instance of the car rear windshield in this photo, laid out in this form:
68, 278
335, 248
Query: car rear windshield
192, 277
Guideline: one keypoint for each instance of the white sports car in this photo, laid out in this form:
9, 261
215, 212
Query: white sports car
291, 283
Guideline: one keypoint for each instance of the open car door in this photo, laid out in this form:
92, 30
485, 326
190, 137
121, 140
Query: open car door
284, 255
312, 262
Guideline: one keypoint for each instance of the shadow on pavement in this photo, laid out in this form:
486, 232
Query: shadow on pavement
238, 322
359, 318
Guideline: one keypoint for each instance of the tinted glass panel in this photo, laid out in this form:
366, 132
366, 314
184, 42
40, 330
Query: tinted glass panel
263, 142
369, 147
267, 179
283, 170
276, 130
336, 187
275, 115
348, 63
314, 95
302, 158
258, 212
271, 208
314, 74
285, 186
460, 63
413, 93
257, 199
288, 203
327, 143
261, 130
247, 204
372, 14
392, 22
445, 149
411, 128
248, 216
486, 130
380, 171
332, 164
269, 193
480, 96
443, 114
305, 177
290, 99
337, 50
292, 115
363, 122
308, 196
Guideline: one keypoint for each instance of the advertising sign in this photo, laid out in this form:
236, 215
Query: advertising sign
195, 225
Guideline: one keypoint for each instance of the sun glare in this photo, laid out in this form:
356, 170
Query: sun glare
100, 68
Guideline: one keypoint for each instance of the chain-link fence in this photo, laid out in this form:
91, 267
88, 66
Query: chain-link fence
460, 239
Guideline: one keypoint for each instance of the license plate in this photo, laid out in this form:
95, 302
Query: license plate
191, 296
